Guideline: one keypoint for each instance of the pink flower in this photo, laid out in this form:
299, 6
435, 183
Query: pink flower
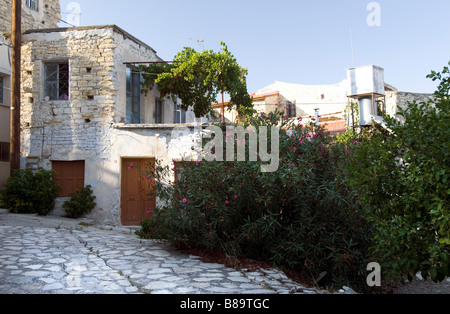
131, 166
149, 211
356, 143
294, 149
184, 200
286, 118
236, 197
227, 202
197, 162
292, 166
300, 142
308, 135
148, 177
346, 151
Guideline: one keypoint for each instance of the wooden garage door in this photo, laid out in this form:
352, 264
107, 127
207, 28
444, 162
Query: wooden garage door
69, 176
138, 193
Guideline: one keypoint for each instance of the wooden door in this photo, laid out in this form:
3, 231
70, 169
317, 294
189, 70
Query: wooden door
138, 192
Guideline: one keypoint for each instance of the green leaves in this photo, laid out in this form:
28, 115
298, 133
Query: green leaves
30, 192
81, 202
303, 216
402, 181
198, 78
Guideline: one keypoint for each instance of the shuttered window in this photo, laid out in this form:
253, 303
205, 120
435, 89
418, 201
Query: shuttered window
291, 110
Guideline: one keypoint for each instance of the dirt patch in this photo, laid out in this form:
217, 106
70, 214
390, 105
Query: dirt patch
242, 263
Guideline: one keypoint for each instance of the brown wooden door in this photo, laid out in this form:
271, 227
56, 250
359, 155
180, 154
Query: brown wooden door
138, 193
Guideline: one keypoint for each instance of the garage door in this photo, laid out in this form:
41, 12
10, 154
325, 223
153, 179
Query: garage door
69, 176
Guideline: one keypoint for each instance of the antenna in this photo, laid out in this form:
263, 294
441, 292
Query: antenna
353, 49
200, 41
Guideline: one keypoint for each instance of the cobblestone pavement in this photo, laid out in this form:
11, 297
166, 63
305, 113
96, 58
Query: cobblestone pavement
54, 255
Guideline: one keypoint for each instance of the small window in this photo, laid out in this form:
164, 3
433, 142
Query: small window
291, 110
133, 96
2, 86
57, 81
158, 111
4, 152
180, 114
33, 4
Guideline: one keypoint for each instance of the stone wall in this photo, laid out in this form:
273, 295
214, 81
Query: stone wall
48, 15
398, 99
52, 128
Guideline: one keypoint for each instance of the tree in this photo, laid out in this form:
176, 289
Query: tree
198, 78
402, 180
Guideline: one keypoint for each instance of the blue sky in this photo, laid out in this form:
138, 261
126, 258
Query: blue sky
296, 41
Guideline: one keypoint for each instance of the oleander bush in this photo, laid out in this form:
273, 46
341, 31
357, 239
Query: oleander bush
303, 216
30, 192
149, 230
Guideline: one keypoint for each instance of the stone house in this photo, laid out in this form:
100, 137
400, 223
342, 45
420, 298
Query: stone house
84, 116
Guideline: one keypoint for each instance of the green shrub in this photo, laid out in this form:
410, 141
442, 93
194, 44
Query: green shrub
403, 183
29, 192
303, 216
149, 230
81, 203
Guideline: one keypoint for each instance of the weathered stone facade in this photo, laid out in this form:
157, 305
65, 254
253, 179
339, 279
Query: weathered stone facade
46, 15
397, 99
90, 123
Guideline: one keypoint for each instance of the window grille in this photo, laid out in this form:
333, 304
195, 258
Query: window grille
57, 81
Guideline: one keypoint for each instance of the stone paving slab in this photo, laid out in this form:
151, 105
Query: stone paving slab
53, 255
